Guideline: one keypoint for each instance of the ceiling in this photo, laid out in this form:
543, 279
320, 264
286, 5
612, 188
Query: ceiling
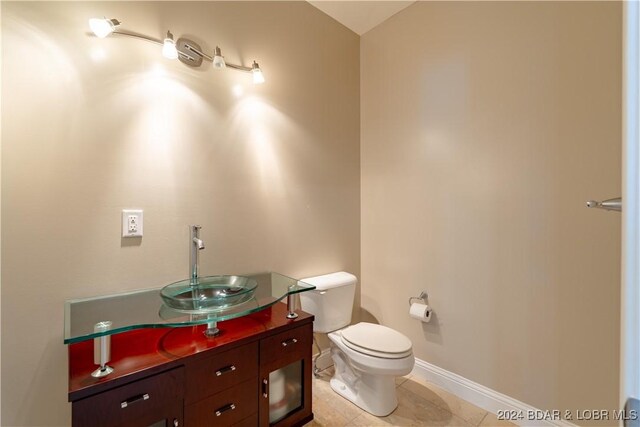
360, 16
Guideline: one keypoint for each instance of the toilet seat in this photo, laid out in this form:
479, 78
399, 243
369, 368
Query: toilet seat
376, 340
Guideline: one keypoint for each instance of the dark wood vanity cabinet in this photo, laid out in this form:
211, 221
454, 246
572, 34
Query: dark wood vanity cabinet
256, 373
154, 401
285, 377
223, 388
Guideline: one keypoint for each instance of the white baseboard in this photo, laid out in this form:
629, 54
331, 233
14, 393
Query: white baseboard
484, 397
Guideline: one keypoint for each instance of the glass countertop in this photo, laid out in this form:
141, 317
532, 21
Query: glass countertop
145, 309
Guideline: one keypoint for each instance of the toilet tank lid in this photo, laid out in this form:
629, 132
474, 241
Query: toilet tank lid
332, 280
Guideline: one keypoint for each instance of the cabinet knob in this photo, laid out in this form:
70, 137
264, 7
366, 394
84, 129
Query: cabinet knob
265, 387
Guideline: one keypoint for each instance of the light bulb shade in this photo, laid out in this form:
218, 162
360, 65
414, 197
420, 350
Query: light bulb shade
102, 27
218, 62
169, 50
258, 77
218, 59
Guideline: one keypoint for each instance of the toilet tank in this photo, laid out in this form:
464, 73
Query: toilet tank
331, 302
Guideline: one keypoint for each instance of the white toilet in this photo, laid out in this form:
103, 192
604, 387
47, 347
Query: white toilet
367, 357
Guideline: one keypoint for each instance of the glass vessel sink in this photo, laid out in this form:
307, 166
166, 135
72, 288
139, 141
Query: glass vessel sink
145, 308
209, 293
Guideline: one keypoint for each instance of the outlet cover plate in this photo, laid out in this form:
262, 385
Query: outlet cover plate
132, 223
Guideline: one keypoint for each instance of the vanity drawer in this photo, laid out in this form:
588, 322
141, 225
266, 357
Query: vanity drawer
227, 408
141, 402
292, 344
219, 372
251, 421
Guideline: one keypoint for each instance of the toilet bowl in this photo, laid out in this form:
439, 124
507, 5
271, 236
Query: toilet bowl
365, 370
367, 357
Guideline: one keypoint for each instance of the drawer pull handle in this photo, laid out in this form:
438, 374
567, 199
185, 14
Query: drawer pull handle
224, 370
133, 400
289, 341
225, 408
265, 387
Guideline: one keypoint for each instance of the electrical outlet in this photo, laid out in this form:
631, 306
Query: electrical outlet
131, 223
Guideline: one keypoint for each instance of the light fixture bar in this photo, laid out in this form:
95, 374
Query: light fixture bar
138, 36
191, 46
183, 46
147, 38
239, 67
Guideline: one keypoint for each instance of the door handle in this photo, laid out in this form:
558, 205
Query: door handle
609, 204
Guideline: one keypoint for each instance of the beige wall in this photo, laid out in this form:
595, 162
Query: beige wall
93, 126
484, 129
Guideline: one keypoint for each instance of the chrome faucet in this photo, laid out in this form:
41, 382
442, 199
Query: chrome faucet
196, 245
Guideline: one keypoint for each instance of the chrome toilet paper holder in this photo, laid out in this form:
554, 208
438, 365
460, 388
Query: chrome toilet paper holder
423, 297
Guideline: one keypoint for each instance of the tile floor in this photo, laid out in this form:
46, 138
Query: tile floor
419, 404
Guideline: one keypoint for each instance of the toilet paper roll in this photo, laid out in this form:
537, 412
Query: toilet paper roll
422, 312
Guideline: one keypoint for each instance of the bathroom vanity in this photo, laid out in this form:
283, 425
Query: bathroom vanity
256, 372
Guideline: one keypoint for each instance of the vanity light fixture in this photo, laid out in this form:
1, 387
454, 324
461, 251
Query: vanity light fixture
218, 59
258, 77
187, 51
169, 50
102, 27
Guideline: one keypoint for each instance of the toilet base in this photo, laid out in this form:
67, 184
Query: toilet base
374, 393
367, 381
380, 400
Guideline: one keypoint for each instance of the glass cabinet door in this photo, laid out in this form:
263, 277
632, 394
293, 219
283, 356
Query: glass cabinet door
285, 391
285, 376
